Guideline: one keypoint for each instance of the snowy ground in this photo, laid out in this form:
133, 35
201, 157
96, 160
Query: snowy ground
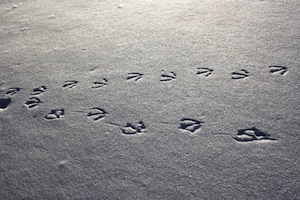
149, 99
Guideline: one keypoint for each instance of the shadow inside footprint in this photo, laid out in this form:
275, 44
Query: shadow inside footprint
4, 102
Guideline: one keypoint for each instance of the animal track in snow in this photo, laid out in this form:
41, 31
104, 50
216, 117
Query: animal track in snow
12, 91
70, 84
97, 114
204, 71
167, 76
98, 84
4, 102
134, 76
55, 114
251, 134
278, 70
38, 90
131, 129
191, 125
243, 73
33, 102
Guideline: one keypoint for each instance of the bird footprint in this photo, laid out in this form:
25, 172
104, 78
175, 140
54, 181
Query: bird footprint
131, 129
33, 102
97, 113
191, 125
205, 71
70, 84
98, 84
134, 76
38, 90
55, 114
167, 76
243, 73
278, 69
251, 134
12, 91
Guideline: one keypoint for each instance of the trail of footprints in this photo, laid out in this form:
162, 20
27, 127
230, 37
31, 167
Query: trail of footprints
189, 125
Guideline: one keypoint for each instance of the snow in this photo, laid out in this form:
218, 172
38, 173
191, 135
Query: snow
149, 99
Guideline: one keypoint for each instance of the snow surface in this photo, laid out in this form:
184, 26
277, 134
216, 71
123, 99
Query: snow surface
149, 99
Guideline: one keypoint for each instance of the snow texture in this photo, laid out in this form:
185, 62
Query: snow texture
149, 99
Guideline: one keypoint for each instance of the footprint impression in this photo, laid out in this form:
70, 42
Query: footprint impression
252, 134
167, 76
97, 114
130, 129
70, 84
12, 91
190, 125
55, 114
6, 99
100, 84
204, 71
33, 100
135, 76
243, 73
278, 70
